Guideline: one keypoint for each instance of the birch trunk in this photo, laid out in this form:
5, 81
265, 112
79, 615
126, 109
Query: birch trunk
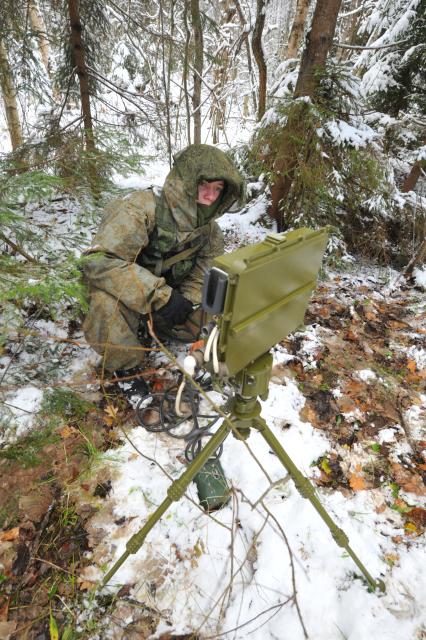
297, 29
39, 29
10, 99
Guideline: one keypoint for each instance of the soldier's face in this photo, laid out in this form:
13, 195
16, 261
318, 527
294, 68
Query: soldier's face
209, 192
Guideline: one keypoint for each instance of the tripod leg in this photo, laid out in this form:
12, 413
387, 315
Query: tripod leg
174, 493
307, 490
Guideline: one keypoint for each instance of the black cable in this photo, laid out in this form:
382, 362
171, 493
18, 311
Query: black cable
163, 405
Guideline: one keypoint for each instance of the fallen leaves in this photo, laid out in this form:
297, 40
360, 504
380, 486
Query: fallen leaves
111, 415
418, 516
409, 481
10, 535
411, 365
357, 482
68, 432
86, 585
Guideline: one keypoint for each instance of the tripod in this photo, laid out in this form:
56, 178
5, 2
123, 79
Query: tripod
252, 382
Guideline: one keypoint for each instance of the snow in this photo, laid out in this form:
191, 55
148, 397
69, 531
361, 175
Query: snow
263, 531
344, 133
386, 435
154, 174
366, 375
23, 406
245, 227
419, 274
196, 586
233, 570
416, 420
230, 574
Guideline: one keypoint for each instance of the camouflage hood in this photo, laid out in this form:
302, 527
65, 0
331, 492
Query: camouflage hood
195, 163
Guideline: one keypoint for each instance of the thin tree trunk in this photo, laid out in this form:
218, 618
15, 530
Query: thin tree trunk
185, 72
9, 98
166, 67
418, 258
415, 173
351, 29
81, 70
249, 62
221, 72
39, 29
297, 29
318, 43
259, 56
198, 68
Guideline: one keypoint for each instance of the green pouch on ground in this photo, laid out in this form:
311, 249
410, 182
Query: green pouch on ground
212, 487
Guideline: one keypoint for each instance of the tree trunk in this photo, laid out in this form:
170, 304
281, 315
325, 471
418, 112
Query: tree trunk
351, 29
259, 56
81, 70
9, 99
418, 259
297, 29
198, 68
318, 44
39, 29
247, 43
166, 63
415, 173
185, 69
221, 72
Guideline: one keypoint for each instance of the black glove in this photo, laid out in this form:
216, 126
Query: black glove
175, 311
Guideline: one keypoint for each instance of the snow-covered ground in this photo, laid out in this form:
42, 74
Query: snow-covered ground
265, 566
238, 572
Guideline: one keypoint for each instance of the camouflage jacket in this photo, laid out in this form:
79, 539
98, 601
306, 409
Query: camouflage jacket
141, 230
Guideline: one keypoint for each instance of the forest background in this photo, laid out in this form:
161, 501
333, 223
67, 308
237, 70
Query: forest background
321, 104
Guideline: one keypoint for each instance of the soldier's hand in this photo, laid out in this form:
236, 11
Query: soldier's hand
175, 311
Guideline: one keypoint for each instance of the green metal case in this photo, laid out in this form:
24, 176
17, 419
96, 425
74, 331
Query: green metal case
269, 286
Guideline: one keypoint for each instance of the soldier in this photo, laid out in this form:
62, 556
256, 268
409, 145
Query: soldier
150, 255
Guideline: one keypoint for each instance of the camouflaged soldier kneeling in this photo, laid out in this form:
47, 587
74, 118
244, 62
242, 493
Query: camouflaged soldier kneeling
150, 255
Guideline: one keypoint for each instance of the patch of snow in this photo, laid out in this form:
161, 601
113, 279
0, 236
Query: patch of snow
281, 355
47, 328
418, 355
154, 174
366, 375
23, 406
244, 227
342, 132
419, 274
386, 435
415, 417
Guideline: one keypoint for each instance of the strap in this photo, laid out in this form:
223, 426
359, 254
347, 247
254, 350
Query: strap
183, 255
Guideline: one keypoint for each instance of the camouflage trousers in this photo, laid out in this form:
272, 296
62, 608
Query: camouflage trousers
112, 329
